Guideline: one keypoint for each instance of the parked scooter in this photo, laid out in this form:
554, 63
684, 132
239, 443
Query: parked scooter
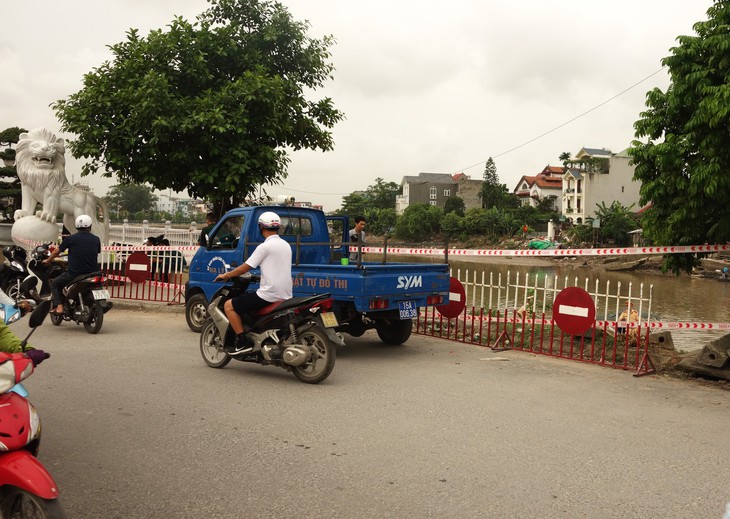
85, 300
26, 487
297, 334
13, 271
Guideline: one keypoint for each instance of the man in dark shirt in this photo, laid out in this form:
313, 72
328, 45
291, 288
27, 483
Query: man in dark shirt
210, 221
83, 254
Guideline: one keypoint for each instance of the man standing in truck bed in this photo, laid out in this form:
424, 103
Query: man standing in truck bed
357, 235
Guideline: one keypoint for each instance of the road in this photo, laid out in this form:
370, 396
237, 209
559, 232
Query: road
136, 426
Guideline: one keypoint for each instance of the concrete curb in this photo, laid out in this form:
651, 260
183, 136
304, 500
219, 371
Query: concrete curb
148, 306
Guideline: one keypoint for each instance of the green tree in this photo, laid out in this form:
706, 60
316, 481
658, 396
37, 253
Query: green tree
382, 194
684, 160
454, 204
354, 204
131, 198
616, 222
10, 190
419, 222
494, 194
209, 107
452, 224
490, 172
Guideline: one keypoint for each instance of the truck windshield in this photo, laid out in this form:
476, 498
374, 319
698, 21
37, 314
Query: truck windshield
228, 234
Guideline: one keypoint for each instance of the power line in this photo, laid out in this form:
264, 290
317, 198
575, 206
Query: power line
566, 122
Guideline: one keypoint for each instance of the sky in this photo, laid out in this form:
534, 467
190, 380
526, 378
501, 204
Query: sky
434, 87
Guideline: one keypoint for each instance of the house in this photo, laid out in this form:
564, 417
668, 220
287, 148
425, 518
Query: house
436, 188
597, 176
546, 184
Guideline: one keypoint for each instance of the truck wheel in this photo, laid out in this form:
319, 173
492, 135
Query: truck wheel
394, 331
196, 312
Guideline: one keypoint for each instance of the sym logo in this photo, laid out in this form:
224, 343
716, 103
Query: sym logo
406, 282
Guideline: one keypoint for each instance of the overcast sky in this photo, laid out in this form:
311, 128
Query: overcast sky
426, 86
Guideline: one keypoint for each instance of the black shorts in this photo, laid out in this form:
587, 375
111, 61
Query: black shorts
247, 304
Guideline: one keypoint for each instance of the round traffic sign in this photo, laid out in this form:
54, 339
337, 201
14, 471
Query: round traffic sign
138, 267
574, 311
457, 300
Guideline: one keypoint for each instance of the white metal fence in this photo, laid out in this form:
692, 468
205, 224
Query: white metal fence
536, 292
136, 234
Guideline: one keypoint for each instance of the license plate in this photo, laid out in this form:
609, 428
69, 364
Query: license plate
329, 319
100, 294
407, 309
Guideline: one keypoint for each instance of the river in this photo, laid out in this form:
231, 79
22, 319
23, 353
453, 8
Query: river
683, 298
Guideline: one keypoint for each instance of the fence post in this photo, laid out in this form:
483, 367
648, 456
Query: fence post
125, 225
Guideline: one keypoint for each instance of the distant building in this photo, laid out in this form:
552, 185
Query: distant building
546, 184
597, 176
436, 188
169, 203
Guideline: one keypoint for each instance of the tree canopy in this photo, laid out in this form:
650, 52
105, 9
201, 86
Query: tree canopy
210, 107
10, 190
376, 204
683, 162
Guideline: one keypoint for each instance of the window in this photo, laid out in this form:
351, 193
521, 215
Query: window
433, 202
227, 235
447, 192
433, 194
293, 225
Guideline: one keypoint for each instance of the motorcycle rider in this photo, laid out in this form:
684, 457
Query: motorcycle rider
274, 256
83, 254
9, 342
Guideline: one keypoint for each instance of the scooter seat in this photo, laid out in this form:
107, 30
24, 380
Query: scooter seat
84, 276
268, 308
289, 303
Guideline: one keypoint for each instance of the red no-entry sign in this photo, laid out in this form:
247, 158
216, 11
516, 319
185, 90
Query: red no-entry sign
138, 267
574, 311
457, 300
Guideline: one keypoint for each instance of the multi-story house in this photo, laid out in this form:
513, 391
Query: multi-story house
436, 188
597, 176
546, 184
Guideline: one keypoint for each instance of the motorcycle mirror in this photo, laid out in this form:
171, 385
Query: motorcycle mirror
39, 314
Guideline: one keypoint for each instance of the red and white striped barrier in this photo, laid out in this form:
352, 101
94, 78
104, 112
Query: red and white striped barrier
158, 284
653, 325
619, 251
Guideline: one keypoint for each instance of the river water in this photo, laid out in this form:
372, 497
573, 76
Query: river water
683, 298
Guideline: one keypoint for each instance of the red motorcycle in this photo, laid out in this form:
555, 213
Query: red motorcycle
26, 487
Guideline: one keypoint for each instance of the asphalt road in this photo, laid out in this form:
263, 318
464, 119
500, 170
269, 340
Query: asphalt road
135, 425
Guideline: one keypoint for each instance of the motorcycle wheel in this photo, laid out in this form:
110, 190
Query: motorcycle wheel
12, 288
322, 362
96, 320
196, 312
394, 331
211, 346
18, 503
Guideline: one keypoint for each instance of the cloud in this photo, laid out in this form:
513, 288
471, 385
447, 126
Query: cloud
425, 86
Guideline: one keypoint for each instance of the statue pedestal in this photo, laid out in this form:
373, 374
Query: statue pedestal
30, 231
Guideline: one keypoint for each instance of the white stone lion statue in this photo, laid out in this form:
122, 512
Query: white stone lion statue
41, 165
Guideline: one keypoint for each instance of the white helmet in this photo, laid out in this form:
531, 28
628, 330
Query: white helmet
269, 220
83, 222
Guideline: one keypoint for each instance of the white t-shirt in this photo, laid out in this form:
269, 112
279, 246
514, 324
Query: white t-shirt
274, 257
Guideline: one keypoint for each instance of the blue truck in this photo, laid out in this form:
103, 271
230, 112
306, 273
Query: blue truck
367, 294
